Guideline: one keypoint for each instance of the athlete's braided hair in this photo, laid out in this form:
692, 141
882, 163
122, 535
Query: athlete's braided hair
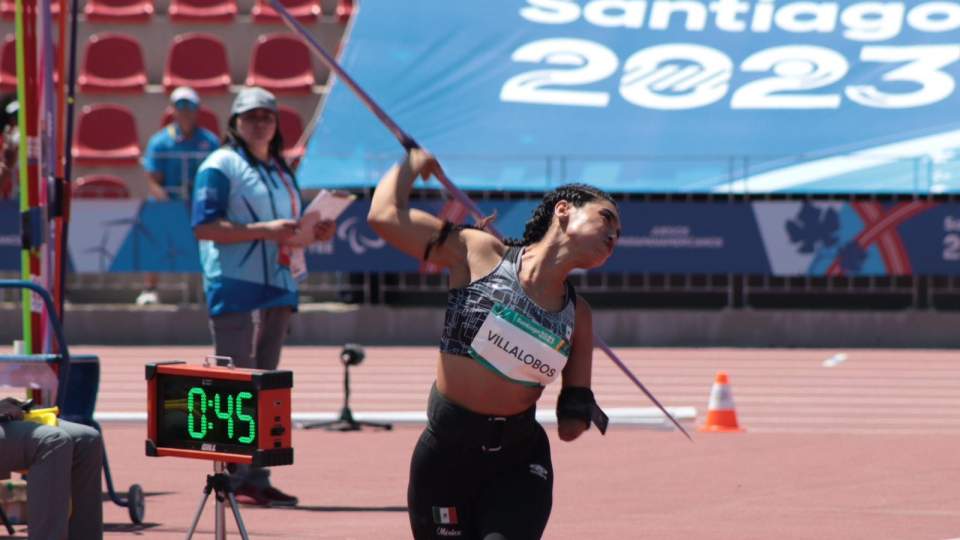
576, 194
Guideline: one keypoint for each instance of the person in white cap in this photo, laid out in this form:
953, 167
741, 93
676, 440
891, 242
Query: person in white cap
171, 159
246, 205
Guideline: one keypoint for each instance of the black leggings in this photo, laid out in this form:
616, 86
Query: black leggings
479, 477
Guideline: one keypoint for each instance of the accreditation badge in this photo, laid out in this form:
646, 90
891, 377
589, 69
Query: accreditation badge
519, 348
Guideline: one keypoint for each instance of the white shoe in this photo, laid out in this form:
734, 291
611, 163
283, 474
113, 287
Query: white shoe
148, 298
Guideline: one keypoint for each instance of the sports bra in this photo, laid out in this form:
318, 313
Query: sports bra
493, 321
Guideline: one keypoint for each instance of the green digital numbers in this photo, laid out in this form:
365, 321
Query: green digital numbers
227, 415
252, 435
226, 408
192, 397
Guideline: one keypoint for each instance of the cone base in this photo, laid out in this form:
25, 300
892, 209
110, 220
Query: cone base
720, 429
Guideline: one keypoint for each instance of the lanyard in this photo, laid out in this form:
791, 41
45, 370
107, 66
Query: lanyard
267, 180
285, 253
288, 184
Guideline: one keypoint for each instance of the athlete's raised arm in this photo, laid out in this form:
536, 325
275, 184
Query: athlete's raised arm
418, 233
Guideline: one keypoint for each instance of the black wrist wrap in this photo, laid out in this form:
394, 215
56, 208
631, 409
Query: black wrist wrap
577, 402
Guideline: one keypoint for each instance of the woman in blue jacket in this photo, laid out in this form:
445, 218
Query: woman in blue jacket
246, 207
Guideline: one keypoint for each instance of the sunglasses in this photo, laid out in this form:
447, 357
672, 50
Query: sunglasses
185, 105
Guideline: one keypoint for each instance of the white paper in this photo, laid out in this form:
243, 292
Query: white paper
327, 205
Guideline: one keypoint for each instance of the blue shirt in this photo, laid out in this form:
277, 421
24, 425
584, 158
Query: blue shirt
244, 276
161, 156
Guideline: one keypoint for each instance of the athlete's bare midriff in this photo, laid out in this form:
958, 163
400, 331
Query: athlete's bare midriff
467, 383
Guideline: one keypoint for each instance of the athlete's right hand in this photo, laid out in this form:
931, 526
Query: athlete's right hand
423, 163
279, 230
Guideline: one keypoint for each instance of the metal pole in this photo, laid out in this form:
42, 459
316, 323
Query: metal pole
220, 513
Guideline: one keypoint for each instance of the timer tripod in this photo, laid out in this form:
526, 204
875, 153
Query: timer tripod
219, 484
222, 414
351, 355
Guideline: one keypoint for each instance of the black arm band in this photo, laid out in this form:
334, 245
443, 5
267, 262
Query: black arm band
438, 239
578, 403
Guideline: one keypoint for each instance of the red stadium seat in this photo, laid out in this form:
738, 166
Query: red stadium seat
344, 10
121, 11
8, 9
205, 118
198, 61
8, 65
203, 10
302, 10
112, 63
291, 128
106, 134
100, 186
281, 63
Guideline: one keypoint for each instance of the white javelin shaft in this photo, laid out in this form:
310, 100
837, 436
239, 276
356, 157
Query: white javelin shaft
408, 142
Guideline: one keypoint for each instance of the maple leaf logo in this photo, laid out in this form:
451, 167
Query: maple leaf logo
813, 226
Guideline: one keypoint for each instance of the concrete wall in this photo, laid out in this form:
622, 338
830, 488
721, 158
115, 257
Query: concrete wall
336, 324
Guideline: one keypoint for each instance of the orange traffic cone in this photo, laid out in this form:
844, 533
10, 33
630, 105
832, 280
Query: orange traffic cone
721, 412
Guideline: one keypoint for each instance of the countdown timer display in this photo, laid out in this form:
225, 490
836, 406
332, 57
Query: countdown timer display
219, 413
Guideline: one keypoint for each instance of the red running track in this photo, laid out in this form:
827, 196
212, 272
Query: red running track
865, 449
782, 390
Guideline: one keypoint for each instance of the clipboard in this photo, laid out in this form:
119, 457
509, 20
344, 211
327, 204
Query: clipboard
327, 205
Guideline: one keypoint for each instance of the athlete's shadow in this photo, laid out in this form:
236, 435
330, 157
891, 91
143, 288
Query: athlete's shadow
303, 508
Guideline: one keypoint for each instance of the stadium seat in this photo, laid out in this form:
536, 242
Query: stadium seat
302, 10
100, 186
205, 117
280, 63
344, 10
8, 9
291, 128
119, 11
112, 63
8, 65
106, 135
198, 61
203, 10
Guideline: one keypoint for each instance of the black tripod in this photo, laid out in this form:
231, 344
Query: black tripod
351, 355
219, 483
3, 518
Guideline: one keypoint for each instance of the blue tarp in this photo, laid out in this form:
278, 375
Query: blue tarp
639, 96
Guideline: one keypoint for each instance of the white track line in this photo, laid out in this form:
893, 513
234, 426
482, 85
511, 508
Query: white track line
645, 416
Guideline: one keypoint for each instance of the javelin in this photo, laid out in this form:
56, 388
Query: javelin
409, 143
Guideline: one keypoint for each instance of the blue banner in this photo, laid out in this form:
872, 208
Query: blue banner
861, 238
356, 248
782, 238
661, 237
728, 96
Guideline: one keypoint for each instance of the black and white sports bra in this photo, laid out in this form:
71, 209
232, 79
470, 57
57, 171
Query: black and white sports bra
493, 321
